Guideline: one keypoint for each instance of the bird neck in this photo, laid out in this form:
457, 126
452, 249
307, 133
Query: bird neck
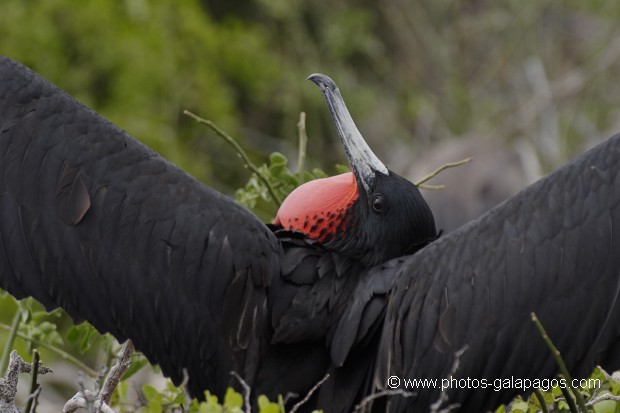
319, 209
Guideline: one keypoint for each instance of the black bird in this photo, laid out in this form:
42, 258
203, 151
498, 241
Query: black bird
97, 223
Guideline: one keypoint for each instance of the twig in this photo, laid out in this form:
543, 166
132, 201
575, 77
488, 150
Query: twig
63, 354
183, 385
560, 362
568, 398
615, 376
34, 386
384, 393
117, 371
10, 340
82, 400
448, 408
34, 397
431, 187
86, 399
443, 397
244, 156
98, 401
303, 144
246, 391
440, 169
603, 397
314, 388
541, 401
8, 383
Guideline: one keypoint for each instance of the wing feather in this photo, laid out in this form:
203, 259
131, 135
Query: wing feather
552, 250
95, 222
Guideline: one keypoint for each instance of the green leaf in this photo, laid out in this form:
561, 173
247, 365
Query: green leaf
308, 176
154, 406
84, 336
607, 406
267, 406
277, 171
291, 181
519, 406
270, 408
340, 169
232, 399
150, 392
210, 404
319, 173
262, 401
276, 158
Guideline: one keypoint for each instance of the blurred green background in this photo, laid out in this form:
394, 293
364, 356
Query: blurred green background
413, 73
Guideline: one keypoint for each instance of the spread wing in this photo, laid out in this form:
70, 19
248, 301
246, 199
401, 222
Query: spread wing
553, 249
95, 222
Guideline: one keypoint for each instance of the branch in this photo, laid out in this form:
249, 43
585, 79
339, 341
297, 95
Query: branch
244, 156
569, 399
246, 391
13, 331
33, 400
541, 399
123, 361
443, 397
34, 386
603, 397
615, 377
384, 393
560, 362
310, 393
86, 399
303, 143
8, 383
420, 182
99, 401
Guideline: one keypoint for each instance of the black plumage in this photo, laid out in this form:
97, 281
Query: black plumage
553, 249
95, 222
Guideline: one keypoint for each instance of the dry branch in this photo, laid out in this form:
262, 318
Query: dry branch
8, 383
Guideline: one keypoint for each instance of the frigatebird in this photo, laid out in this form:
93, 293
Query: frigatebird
351, 279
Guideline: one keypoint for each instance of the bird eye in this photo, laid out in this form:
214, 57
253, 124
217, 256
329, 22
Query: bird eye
377, 203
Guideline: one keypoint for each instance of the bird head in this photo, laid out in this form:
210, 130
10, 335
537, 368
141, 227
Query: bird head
371, 213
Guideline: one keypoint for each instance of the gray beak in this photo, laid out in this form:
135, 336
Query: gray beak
364, 162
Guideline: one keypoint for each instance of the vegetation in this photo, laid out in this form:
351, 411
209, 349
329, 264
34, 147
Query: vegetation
545, 72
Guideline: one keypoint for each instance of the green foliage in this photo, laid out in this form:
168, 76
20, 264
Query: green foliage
172, 399
281, 178
159, 401
267, 406
38, 325
555, 400
439, 69
82, 336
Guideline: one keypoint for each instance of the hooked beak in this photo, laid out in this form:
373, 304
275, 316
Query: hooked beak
364, 162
